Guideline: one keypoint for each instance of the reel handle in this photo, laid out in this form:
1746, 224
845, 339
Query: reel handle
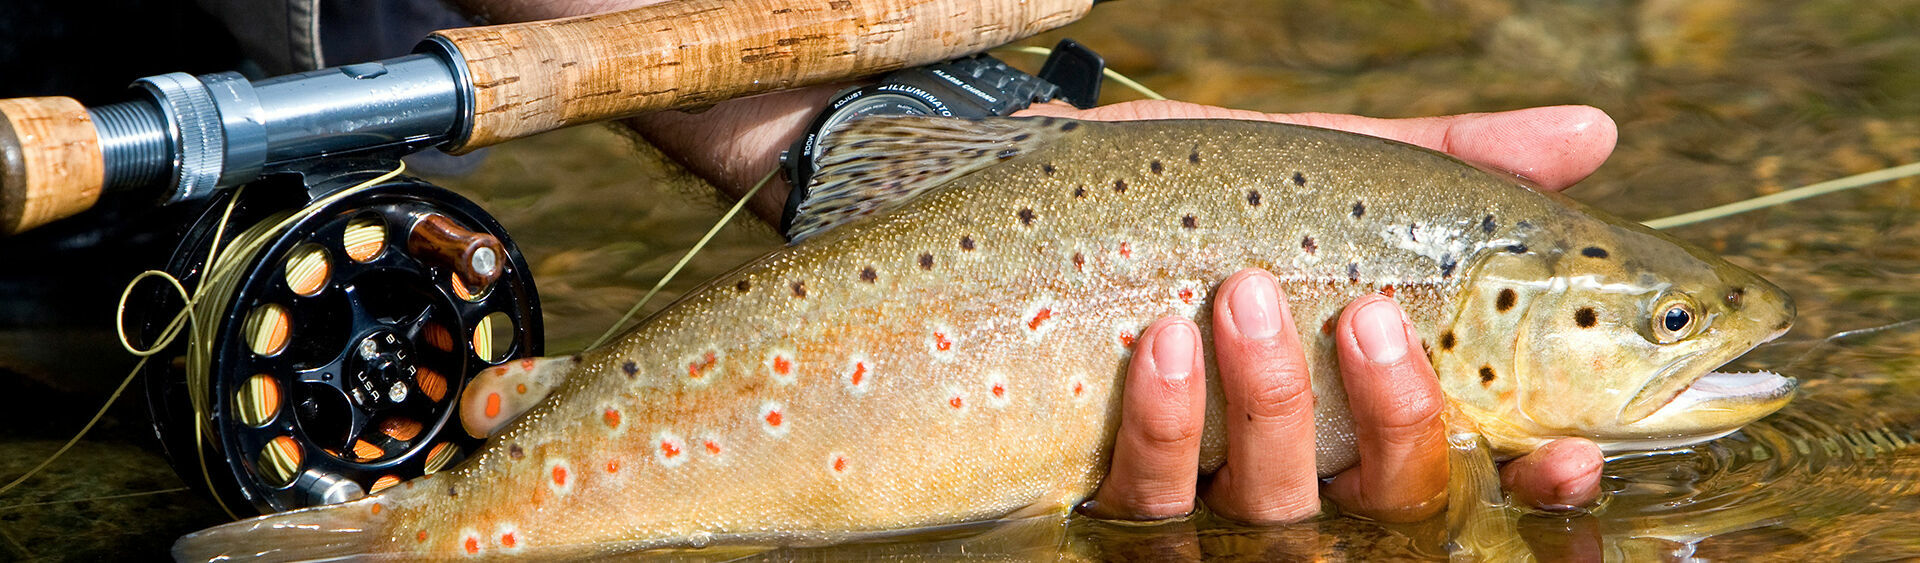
533, 77
50, 163
474, 257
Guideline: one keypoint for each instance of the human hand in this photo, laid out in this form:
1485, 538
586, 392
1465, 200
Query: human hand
1394, 395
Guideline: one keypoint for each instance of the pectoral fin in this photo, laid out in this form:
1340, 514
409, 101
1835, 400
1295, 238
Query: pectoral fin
1480, 525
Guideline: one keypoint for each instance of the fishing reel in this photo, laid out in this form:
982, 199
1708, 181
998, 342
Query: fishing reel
336, 326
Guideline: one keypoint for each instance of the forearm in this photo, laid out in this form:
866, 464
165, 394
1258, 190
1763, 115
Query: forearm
737, 142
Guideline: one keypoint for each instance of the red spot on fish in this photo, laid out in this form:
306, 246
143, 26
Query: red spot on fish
1038, 318
1126, 250
712, 447
612, 417
1186, 296
1079, 262
493, 405
420, 537
376, 510
473, 545
526, 364
508, 540
782, 366
773, 418
1079, 388
560, 475
1126, 339
672, 450
839, 463
859, 372
941, 343
1327, 327
521, 388
613, 466
1387, 291
954, 401
999, 390
706, 362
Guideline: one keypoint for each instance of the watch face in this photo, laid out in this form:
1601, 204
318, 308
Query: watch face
874, 104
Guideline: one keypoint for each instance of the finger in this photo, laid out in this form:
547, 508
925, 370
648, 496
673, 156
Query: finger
1396, 402
1157, 452
1550, 146
1269, 476
1565, 473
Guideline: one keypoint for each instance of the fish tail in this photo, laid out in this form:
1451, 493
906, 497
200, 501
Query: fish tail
337, 531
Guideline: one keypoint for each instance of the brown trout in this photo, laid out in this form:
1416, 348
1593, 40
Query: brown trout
949, 346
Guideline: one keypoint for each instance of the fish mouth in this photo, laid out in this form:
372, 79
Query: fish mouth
1713, 390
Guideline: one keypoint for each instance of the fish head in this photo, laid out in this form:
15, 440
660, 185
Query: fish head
1610, 331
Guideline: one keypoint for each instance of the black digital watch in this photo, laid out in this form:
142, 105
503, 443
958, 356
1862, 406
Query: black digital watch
972, 87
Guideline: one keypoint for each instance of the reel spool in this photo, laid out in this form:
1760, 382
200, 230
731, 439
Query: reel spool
336, 365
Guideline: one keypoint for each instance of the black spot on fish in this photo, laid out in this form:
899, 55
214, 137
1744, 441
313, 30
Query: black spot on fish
1253, 197
1517, 248
800, 289
1486, 224
1120, 186
1069, 126
966, 242
926, 261
1736, 297
1505, 301
1585, 317
1413, 231
1447, 264
631, 368
1299, 179
869, 275
452, 491
1523, 225
1189, 222
1006, 154
1079, 261
1359, 209
1026, 216
743, 286
1593, 252
1307, 244
515, 452
1022, 137
1353, 272
1047, 168
1154, 167
1080, 192
1486, 375
1446, 340
1194, 157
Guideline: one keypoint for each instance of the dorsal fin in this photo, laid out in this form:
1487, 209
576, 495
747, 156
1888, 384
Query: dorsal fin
875, 164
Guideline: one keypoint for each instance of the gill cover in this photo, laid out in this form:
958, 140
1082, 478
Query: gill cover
1594, 327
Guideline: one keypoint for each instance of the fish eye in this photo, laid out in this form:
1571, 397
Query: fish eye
1675, 321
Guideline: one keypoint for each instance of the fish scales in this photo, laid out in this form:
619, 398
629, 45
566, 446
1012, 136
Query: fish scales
960, 358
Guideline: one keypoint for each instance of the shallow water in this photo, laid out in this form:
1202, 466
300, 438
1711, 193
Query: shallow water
1717, 100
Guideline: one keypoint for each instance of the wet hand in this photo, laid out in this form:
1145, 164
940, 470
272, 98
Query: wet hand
1396, 400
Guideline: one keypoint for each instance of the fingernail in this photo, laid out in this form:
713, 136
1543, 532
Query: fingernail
1377, 326
1578, 490
1173, 352
1255, 306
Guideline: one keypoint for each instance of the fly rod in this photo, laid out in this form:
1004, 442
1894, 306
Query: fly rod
467, 88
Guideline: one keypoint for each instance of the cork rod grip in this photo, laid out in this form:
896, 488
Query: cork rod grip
535, 77
50, 164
